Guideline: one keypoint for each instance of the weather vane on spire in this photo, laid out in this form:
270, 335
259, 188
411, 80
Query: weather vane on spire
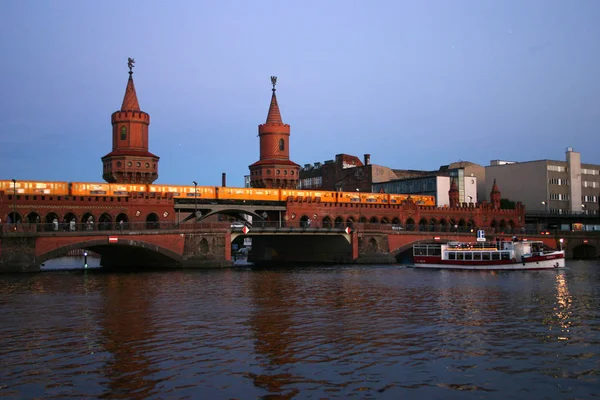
130, 62
274, 81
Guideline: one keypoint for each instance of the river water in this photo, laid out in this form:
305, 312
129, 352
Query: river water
321, 332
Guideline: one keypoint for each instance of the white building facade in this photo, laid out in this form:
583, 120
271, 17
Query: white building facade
558, 187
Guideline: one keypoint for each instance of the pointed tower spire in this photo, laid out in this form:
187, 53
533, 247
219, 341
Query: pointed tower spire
130, 101
453, 194
495, 195
130, 161
274, 169
274, 116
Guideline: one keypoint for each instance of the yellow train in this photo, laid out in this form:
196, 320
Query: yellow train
209, 193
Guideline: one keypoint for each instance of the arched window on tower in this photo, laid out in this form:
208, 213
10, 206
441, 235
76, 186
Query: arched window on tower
281, 145
123, 133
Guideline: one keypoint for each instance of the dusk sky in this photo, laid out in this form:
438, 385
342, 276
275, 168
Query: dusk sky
416, 84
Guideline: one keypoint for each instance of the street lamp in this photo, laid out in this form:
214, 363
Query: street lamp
195, 201
14, 181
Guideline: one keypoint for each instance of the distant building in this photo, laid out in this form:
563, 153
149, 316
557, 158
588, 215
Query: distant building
434, 185
558, 187
346, 173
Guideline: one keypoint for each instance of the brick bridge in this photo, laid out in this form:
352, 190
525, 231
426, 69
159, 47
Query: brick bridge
208, 245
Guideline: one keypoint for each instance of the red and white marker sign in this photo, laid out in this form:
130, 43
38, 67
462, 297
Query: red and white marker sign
113, 239
245, 230
347, 230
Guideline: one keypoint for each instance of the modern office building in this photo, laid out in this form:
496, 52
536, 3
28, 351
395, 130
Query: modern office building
559, 187
434, 185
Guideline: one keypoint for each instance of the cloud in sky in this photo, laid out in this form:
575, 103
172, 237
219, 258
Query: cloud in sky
415, 84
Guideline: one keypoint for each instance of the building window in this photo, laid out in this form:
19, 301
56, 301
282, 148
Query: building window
556, 168
281, 145
586, 171
123, 133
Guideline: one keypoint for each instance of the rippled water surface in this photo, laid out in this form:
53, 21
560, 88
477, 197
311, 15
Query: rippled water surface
343, 332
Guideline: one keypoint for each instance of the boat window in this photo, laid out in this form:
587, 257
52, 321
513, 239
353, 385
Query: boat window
451, 255
468, 256
459, 256
435, 251
506, 255
485, 255
495, 256
476, 256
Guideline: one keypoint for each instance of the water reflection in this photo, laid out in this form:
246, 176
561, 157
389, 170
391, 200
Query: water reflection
562, 308
364, 332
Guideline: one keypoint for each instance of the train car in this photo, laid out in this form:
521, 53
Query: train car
89, 189
397, 198
253, 195
424, 200
301, 195
374, 198
348, 197
35, 187
329, 197
118, 189
201, 193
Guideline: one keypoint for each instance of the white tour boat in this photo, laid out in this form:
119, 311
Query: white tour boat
501, 255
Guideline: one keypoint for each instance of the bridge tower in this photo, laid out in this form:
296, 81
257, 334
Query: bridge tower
495, 195
130, 161
274, 168
453, 194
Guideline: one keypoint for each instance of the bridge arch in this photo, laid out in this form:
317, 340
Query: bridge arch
152, 221
13, 218
584, 252
432, 224
105, 222
33, 218
102, 248
327, 223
